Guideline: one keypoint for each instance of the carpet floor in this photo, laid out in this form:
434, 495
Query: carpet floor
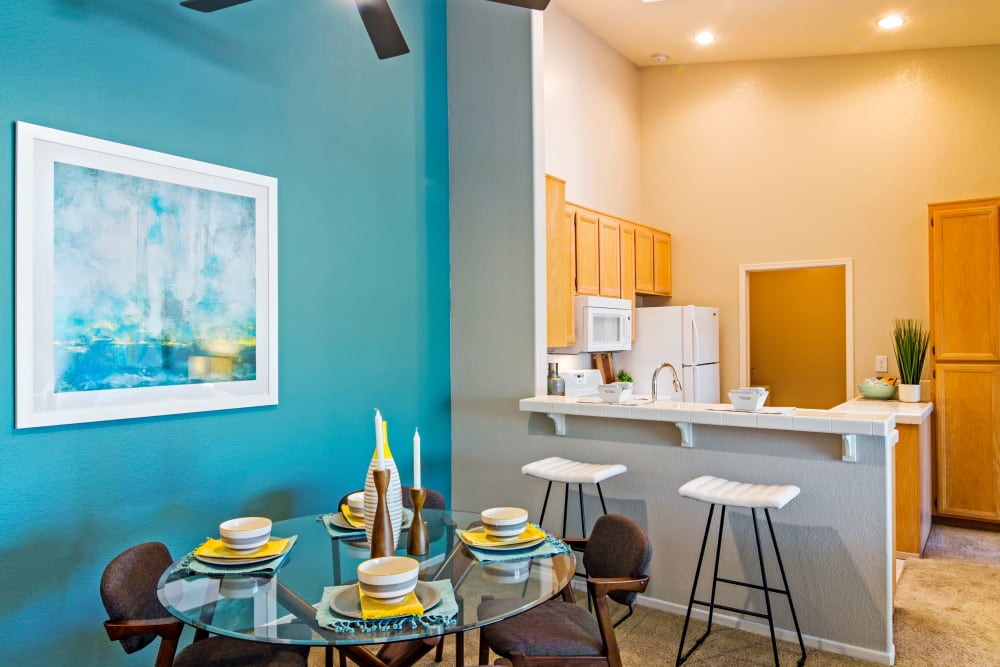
947, 612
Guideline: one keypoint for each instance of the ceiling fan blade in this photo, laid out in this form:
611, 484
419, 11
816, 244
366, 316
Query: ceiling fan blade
382, 28
211, 5
527, 4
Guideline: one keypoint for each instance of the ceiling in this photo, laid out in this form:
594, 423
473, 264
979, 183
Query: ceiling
766, 29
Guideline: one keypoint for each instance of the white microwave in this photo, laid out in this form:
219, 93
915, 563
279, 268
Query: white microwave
602, 325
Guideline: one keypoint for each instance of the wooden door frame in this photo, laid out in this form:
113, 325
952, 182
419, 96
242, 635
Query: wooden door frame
744, 296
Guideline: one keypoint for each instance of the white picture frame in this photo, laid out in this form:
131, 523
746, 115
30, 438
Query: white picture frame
146, 284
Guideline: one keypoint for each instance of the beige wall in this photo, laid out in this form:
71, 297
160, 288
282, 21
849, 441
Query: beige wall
816, 158
591, 117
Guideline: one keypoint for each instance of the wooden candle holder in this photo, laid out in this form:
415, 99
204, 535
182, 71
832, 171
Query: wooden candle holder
417, 544
382, 542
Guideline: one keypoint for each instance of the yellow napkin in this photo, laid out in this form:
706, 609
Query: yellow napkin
214, 548
478, 538
408, 606
351, 519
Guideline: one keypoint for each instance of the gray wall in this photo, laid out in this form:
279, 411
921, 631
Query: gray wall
835, 552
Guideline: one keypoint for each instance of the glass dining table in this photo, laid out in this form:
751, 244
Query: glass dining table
292, 605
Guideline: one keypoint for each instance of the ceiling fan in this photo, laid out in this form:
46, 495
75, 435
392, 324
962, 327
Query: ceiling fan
377, 16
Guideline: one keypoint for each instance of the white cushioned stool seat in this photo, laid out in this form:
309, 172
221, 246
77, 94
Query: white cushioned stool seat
720, 491
558, 469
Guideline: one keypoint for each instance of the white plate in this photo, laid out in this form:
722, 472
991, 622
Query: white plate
500, 547
238, 562
339, 521
348, 601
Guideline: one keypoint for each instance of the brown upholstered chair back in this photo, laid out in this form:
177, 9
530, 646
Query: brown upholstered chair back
128, 588
618, 547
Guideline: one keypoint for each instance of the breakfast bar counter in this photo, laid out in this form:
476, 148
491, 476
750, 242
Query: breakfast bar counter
839, 532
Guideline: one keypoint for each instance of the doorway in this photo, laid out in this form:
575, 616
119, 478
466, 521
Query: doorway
796, 331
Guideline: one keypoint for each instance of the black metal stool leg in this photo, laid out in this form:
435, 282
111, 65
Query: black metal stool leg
788, 591
601, 495
545, 504
767, 594
681, 656
565, 507
583, 518
715, 572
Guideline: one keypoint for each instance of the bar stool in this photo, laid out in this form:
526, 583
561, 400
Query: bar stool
717, 491
558, 469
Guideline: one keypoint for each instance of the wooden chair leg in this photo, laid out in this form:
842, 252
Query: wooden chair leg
459, 649
484, 651
439, 651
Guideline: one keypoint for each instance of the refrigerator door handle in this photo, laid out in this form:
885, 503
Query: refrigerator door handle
695, 342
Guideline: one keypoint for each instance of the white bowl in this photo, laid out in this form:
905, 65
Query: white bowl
748, 398
246, 533
356, 503
388, 579
504, 523
616, 392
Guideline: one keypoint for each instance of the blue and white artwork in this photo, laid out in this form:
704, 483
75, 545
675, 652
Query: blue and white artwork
154, 283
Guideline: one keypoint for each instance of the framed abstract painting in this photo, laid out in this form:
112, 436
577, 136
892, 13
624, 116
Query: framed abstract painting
145, 283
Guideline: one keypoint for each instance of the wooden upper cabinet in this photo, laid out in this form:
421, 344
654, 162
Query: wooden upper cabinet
644, 260
967, 414
587, 252
965, 279
610, 253
559, 265
662, 281
628, 267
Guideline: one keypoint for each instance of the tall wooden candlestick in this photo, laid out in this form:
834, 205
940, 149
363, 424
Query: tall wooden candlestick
417, 545
382, 542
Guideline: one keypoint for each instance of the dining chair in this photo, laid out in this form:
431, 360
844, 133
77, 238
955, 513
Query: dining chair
136, 619
616, 557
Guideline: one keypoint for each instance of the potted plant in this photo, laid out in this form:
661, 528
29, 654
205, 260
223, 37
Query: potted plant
909, 342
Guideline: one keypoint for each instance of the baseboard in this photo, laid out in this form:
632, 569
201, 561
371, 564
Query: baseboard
972, 524
839, 648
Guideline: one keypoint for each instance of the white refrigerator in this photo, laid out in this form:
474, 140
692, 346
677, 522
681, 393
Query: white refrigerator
685, 336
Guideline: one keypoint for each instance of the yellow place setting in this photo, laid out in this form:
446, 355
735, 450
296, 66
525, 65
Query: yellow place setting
476, 537
215, 549
408, 606
350, 518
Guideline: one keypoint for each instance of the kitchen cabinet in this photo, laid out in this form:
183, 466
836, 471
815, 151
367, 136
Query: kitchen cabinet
965, 356
912, 464
588, 258
661, 264
967, 405
652, 261
628, 267
966, 252
559, 245
610, 253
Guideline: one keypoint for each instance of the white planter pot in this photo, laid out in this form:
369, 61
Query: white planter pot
909, 393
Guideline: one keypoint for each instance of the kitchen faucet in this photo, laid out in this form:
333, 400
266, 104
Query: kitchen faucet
677, 383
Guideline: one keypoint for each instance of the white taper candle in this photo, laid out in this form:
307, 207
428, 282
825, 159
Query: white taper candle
416, 458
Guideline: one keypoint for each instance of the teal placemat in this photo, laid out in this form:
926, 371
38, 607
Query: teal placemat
444, 613
552, 546
191, 565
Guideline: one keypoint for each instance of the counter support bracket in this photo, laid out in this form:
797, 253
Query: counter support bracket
850, 448
560, 422
687, 433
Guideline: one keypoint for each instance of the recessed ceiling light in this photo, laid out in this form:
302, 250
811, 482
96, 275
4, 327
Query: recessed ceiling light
890, 22
657, 57
704, 37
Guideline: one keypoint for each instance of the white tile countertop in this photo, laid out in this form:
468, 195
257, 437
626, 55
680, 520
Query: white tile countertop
857, 417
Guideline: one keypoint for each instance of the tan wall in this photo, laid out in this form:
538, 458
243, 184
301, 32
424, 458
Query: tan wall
812, 159
591, 117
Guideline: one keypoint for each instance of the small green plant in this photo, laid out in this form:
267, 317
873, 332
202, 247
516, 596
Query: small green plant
909, 342
623, 376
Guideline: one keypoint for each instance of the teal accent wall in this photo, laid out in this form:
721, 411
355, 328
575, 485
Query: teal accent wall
360, 150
